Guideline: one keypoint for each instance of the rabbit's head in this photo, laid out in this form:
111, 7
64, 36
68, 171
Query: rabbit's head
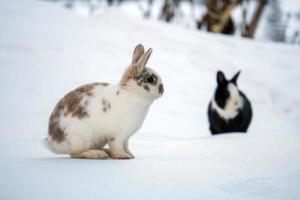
141, 80
227, 95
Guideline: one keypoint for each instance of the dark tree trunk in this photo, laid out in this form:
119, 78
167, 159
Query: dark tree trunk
168, 9
250, 28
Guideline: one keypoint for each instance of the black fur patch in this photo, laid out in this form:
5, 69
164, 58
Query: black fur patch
146, 87
238, 124
145, 77
221, 96
160, 89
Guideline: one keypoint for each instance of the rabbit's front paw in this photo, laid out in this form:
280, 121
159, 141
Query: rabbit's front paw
91, 154
131, 155
121, 155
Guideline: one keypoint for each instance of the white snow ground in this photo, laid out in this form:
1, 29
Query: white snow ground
46, 50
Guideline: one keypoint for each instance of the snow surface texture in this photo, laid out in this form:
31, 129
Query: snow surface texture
46, 50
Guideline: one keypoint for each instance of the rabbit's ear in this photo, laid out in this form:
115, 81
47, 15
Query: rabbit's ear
137, 53
140, 65
144, 59
139, 60
235, 77
221, 79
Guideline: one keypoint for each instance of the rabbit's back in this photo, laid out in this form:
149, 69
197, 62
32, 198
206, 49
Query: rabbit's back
73, 113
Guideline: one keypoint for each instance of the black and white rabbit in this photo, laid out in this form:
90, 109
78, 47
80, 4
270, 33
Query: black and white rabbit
229, 110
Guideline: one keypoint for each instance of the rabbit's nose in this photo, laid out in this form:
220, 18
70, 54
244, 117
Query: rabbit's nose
160, 89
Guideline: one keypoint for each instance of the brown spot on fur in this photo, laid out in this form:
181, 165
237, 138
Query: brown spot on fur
131, 74
118, 92
105, 105
139, 83
146, 87
54, 130
69, 104
103, 102
72, 101
104, 84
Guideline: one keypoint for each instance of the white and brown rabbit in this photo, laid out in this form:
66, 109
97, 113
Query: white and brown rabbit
229, 110
93, 115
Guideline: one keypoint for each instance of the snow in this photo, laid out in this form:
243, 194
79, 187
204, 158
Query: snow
46, 50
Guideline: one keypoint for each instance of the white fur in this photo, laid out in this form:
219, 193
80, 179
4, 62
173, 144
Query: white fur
234, 102
129, 104
125, 117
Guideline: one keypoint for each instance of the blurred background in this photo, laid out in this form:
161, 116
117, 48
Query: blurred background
273, 20
49, 47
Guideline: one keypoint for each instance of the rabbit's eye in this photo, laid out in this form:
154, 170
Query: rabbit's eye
150, 79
